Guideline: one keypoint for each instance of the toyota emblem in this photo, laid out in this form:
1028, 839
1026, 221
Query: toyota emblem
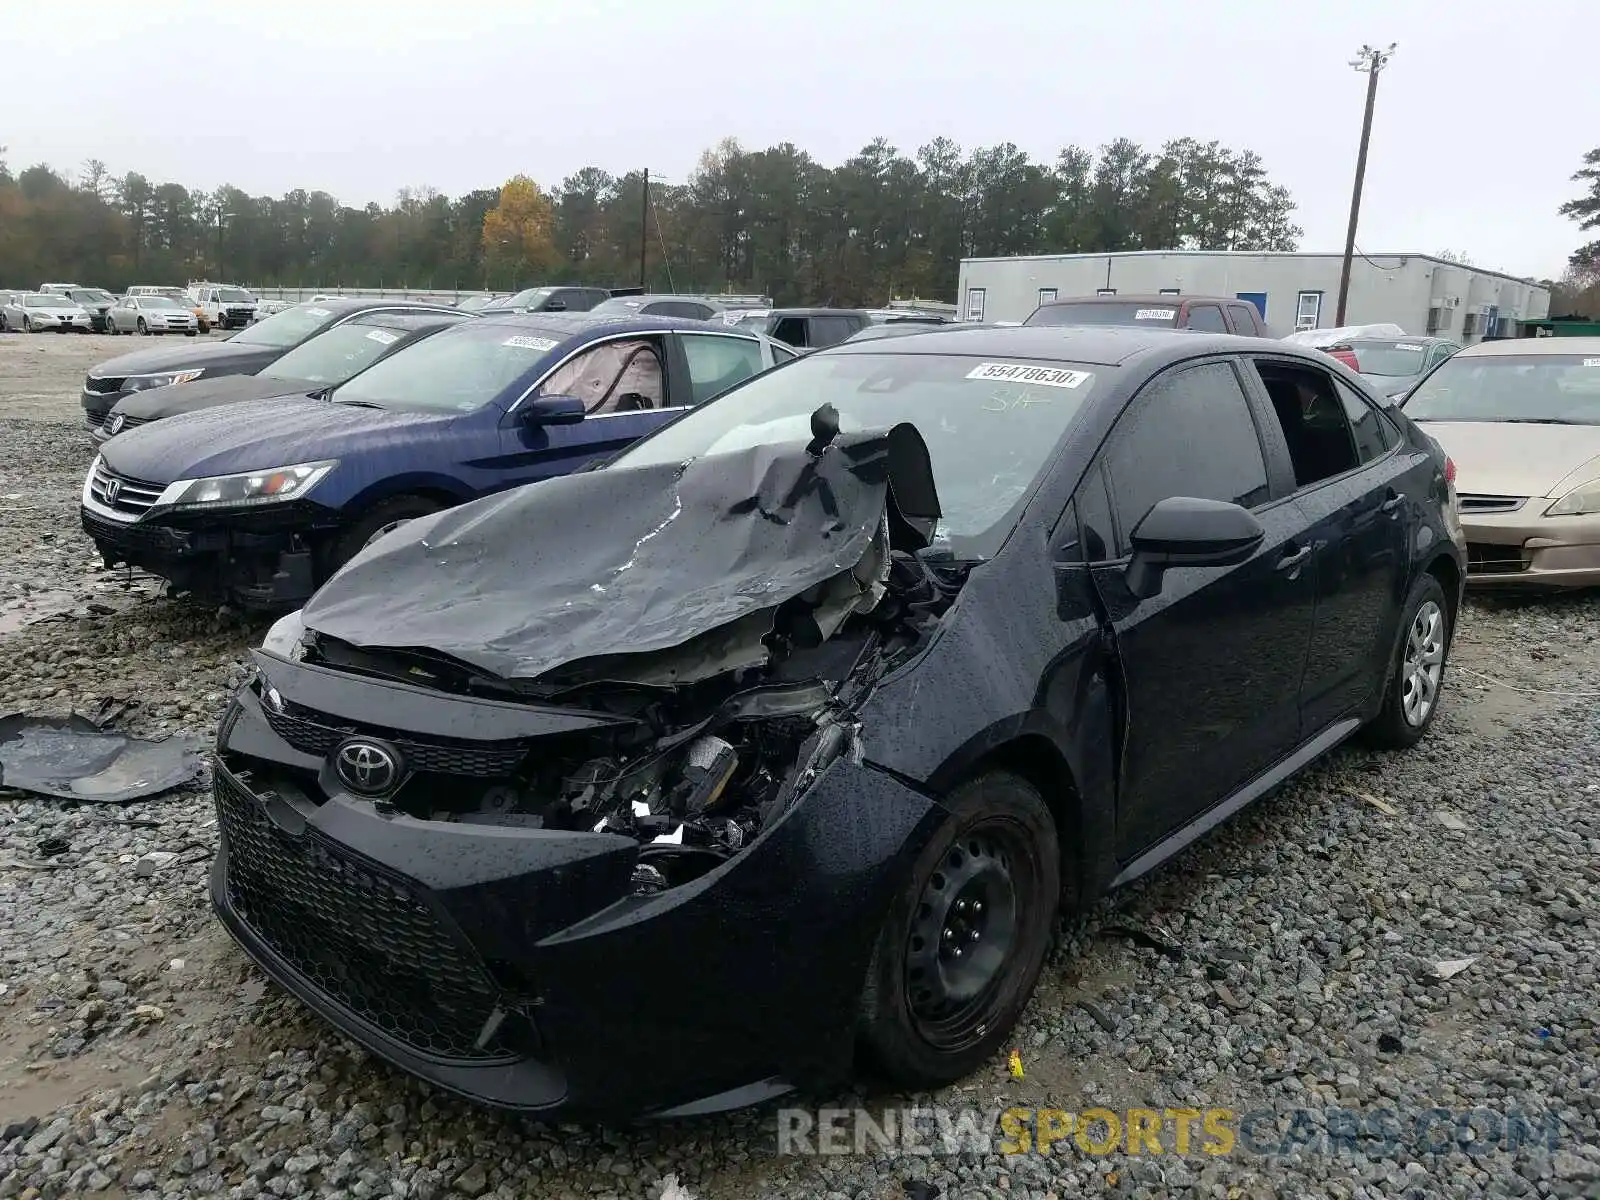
114, 426
366, 767
113, 490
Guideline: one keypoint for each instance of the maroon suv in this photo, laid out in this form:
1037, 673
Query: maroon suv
1214, 314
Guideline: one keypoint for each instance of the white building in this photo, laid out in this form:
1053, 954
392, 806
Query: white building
1419, 293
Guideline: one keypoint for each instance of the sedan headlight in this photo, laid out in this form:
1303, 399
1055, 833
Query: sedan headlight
142, 383
1579, 502
283, 639
246, 488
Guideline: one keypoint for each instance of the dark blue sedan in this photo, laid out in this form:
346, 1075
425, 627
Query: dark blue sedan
257, 504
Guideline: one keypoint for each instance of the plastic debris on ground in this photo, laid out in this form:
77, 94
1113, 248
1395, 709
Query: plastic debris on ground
76, 758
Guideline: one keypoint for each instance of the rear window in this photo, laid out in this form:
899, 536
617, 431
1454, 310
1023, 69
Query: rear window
1101, 313
1388, 357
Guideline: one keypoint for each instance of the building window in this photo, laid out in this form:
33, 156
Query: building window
1308, 310
1469, 324
1438, 318
975, 301
1046, 295
1105, 291
1169, 292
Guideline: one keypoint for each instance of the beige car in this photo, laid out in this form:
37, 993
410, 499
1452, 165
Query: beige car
1521, 421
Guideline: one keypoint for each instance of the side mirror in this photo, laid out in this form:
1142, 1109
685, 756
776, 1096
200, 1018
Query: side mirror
1185, 531
552, 410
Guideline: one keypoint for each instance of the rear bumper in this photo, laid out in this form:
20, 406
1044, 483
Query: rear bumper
259, 572
1524, 549
515, 967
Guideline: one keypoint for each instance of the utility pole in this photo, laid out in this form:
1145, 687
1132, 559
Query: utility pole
1369, 62
644, 225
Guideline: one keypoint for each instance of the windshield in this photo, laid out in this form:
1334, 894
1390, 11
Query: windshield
1561, 389
160, 302
991, 427
618, 306
1100, 313
1389, 358
288, 328
458, 370
90, 296
234, 296
527, 297
334, 355
45, 300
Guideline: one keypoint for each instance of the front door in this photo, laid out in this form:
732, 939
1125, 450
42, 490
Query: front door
1212, 663
1349, 470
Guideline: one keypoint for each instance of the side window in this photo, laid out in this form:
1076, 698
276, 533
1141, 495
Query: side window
1097, 535
830, 330
791, 330
1373, 434
1207, 317
781, 354
1188, 433
622, 376
1244, 320
1313, 420
716, 362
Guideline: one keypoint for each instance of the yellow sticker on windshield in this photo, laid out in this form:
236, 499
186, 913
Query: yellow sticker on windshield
1027, 373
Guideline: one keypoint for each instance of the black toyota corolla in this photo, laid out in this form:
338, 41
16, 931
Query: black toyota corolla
775, 745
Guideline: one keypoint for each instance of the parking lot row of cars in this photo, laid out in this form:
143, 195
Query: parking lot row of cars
145, 309
621, 646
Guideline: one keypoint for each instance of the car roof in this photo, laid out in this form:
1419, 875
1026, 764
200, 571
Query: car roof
1100, 345
572, 324
1422, 339
411, 320
1141, 298
1544, 345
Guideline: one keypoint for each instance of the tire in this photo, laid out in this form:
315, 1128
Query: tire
144, 330
27, 324
1416, 673
997, 854
375, 522
3, 328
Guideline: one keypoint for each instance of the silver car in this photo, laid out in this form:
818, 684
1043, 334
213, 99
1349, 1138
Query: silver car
152, 314
33, 312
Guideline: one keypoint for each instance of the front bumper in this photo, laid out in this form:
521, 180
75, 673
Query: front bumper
1524, 549
259, 568
514, 966
60, 324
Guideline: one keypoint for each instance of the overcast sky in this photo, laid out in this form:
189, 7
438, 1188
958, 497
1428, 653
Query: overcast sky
1482, 117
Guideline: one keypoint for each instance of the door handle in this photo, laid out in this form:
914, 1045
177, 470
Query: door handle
1290, 561
1395, 500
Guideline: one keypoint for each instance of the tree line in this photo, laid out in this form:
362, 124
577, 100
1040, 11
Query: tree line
1579, 293
774, 221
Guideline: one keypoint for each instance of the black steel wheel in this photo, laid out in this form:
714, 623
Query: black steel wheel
965, 939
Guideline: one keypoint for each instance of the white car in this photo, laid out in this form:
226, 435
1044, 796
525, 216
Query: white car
34, 312
152, 314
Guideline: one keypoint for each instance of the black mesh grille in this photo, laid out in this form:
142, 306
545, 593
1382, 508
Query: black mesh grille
104, 386
357, 935
312, 732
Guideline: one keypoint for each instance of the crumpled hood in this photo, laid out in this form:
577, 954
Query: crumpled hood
181, 398
1497, 458
627, 561
210, 355
258, 435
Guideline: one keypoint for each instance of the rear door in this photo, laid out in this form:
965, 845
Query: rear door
1211, 665
715, 362
1350, 474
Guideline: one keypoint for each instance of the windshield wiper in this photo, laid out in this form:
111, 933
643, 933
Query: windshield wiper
356, 403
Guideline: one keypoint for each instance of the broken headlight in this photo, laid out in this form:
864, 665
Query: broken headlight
247, 487
283, 639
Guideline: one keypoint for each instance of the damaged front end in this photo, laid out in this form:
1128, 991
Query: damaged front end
474, 851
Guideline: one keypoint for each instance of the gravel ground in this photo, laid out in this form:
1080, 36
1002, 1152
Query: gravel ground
1285, 964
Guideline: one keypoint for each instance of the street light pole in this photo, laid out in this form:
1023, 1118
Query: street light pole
1370, 62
